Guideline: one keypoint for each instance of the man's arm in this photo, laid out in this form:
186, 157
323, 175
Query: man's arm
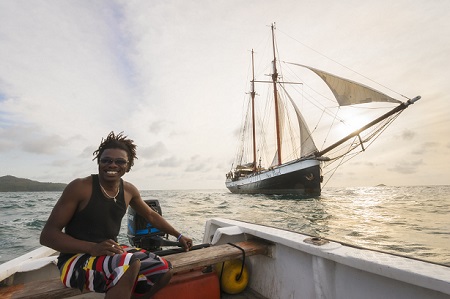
155, 219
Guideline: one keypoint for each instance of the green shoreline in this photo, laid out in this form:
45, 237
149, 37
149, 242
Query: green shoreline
11, 183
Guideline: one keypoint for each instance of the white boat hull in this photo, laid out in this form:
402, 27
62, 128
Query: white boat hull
297, 269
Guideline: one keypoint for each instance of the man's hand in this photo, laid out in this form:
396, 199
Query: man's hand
186, 243
108, 247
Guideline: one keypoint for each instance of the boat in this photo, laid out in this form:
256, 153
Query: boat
293, 165
294, 266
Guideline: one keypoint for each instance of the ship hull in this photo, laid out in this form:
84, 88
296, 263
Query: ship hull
301, 178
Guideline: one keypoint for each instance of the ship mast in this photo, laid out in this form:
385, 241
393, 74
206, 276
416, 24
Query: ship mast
275, 93
252, 93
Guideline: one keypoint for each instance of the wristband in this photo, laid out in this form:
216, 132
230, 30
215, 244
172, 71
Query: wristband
179, 237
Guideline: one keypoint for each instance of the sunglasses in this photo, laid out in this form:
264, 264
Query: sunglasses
109, 161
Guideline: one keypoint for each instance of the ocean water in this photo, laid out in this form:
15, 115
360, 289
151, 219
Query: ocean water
411, 221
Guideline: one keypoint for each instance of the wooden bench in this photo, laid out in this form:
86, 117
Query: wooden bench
38, 290
180, 262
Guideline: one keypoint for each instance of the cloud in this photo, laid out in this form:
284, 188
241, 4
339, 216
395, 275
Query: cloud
44, 145
406, 167
88, 152
171, 162
408, 134
30, 139
154, 151
197, 164
426, 147
6, 144
59, 68
156, 127
59, 163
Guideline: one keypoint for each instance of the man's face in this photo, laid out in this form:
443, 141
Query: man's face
113, 164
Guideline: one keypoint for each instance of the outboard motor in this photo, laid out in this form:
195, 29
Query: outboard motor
143, 234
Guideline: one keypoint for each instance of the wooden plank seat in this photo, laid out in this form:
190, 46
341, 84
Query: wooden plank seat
215, 254
180, 262
52, 288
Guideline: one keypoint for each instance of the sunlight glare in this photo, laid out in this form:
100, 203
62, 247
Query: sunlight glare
351, 124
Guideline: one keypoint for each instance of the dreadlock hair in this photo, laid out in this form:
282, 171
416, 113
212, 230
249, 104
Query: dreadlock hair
118, 141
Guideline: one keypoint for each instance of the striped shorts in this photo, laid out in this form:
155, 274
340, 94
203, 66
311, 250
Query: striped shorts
100, 273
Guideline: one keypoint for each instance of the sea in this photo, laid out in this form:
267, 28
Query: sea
412, 221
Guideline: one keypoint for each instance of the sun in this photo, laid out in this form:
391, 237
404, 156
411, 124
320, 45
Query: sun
351, 123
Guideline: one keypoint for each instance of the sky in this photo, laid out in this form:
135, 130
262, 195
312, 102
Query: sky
172, 76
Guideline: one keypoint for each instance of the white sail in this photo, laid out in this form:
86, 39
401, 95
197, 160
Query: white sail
348, 92
307, 145
275, 161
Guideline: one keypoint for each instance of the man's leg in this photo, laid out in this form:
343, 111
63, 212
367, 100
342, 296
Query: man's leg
155, 269
124, 287
158, 286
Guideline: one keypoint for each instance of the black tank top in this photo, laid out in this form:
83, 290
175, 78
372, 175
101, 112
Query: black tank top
101, 219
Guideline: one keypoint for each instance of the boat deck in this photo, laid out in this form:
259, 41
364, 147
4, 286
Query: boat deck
247, 294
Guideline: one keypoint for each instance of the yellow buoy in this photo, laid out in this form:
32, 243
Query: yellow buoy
230, 282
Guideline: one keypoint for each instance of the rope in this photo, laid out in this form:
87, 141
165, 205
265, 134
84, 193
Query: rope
243, 262
342, 65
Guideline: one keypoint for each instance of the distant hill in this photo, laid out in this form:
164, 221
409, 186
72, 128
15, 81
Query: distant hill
10, 183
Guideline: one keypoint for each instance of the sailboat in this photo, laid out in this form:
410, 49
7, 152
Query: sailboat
299, 170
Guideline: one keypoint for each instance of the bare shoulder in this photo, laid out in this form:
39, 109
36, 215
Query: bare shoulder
129, 187
74, 198
78, 189
80, 182
131, 192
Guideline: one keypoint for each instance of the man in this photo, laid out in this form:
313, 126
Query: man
90, 210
